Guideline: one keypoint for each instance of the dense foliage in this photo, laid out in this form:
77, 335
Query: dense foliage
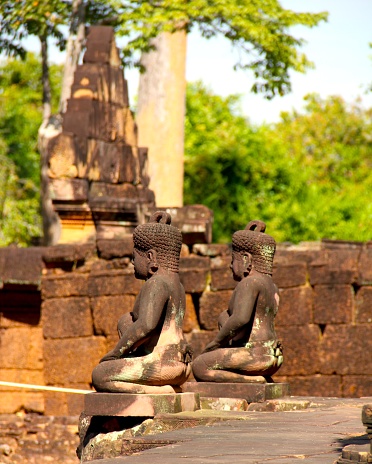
308, 177
259, 29
20, 118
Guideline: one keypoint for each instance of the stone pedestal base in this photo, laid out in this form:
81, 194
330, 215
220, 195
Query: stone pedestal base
141, 405
251, 392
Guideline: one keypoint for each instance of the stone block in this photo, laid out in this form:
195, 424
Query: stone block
21, 348
113, 283
251, 392
301, 349
211, 249
72, 284
224, 404
13, 402
67, 317
108, 249
194, 273
113, 163
363, 305
35, 377
212, 304
364, 267
199, 340
313, 385
221, 275
333, 304
295, 306
141, 405
64, 156
69, 253
343, 349
21, 265
69, 189
190, 321
63, 404
356, 386
194, 221
290, 275
335, 266
69, 361
107, 310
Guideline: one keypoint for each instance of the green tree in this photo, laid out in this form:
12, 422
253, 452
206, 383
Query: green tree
307, 177
20, 118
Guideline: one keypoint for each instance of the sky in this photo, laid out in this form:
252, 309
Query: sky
339, 49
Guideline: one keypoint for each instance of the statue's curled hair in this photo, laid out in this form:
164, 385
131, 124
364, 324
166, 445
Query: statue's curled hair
159, 235
261, 246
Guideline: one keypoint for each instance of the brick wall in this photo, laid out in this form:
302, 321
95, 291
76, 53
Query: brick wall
324, 319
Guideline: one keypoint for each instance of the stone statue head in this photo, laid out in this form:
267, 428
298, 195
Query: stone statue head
260, 246
158, 243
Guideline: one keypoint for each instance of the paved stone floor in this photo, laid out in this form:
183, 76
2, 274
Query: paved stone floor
316, 434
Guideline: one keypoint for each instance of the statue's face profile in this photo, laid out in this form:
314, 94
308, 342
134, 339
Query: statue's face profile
140, 263
241, 265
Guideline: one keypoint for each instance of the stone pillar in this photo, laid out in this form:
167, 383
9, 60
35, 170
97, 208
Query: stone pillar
160, 117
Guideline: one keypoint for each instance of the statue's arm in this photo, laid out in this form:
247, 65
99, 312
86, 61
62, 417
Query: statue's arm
154, 295
244, 301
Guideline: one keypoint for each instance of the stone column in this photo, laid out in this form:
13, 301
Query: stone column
160, 117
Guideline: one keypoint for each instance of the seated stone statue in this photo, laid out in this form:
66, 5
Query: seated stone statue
151, 355
246, 348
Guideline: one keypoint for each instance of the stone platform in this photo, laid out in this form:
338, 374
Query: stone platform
251, 392
139, 405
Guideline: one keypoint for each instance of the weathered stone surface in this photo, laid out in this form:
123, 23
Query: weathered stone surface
290, 275
112, 163
21, 265
313, 385
356, 386
295, 306
14, 318
74, 284
211, 249
69, 253
60, 359
211, 306
20, 375
251, 392
343, 349
333, 304
67, 317
363, 305
199, 340
221, 275
224, 404
12, 402
69, 189
301, 349
107, 310
194, 273
113, 283
21, 348
142, 405
190, 321
364, 266
63, 404
63, 156
335, 266
109, 249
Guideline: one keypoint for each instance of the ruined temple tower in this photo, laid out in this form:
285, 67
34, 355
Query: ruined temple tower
97, 172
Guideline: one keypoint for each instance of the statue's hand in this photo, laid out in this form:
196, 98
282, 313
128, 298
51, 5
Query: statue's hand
213, 345
110, 356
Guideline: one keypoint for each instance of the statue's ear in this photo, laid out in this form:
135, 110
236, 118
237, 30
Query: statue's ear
152, 261
248, 262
